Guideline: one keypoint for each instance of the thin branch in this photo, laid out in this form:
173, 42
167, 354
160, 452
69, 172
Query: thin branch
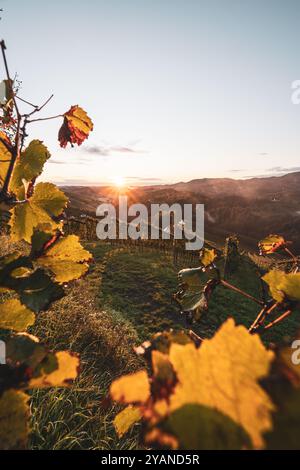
258, 319
14, 157
266, 310
3, 49
294, 258
279, 319
241, 292
16, 148
27, 102
39, 108
44, 119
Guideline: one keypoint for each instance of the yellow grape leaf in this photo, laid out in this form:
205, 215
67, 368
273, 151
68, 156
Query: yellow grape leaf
21, 272
76, 127
69, 248
64, 271
207, 256
51, 199
5, 156
126, 419
15, 316
283, 285
47, 201
14, 414
28, 167
25, 218
223, 374
66, 259
132, 388
66, 372
271, 244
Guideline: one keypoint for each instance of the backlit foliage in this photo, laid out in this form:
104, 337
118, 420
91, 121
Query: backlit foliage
30, 282
227, 392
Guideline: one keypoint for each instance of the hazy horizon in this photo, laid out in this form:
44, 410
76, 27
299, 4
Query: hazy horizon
141, 185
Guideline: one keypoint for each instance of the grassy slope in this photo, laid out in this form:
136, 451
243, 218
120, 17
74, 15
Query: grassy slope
140, 286
125, 298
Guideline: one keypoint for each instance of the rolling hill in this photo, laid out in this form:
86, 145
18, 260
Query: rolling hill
251, 208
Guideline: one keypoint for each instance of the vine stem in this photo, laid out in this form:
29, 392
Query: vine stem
16, 148
45, 119
261, 316
279, 319
3, 49
241, 292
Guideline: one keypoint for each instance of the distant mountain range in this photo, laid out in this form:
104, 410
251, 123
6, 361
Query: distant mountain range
251, 208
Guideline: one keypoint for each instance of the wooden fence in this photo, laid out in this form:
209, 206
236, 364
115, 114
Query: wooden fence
85, 228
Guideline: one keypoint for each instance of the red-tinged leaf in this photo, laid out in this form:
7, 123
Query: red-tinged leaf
76, 127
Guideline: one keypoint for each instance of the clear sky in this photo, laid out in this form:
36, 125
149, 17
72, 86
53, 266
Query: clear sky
177, 89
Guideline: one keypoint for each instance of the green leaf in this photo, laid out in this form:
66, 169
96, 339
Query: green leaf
28, 167
25, 349
198, 427
15, 316
195, 289
36, 291
286, 422
283, 286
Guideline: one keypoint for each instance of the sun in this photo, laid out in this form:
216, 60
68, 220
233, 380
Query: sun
118, 181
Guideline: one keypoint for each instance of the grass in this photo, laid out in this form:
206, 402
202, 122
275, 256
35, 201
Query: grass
141, 285
125, 298
80, 417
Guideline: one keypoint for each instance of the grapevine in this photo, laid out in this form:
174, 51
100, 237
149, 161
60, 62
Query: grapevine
32, 279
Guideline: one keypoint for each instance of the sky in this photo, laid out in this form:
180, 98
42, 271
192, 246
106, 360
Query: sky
177, 89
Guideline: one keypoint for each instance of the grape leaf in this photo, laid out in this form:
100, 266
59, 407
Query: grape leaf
126, 419
62, 376
76, 127
283, 286
30, 365
15, 316
14, 414
286, 432
132, 388
195, 290
48, 197
24, 349
197, 427
207, 256
36, 290
65, 259
271, 244
47, 201
28, 167
5, 156
223, 374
